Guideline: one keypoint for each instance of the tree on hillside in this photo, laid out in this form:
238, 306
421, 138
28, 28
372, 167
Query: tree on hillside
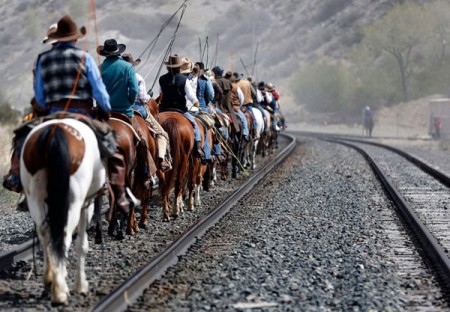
324, 86
399, 33
439, 16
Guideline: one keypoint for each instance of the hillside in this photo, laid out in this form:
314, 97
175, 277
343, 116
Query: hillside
288, 34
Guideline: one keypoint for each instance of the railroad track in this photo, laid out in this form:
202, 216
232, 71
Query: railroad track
123, 294
420, 203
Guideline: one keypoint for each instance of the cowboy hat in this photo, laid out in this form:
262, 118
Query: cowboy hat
52, 29
111, 48
129, 58
174, 61
270, 86
187, 66
261, 85
67, 30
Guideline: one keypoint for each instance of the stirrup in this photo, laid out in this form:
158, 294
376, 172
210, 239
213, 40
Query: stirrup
134, 201
12, 182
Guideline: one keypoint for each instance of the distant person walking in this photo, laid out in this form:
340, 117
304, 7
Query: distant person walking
368, 121
437, 123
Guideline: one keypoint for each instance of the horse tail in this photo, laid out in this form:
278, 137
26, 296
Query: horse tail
175, 142
54, 145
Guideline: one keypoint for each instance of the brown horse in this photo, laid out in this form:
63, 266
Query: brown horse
181, 136
134, 148
127, 140
197, 171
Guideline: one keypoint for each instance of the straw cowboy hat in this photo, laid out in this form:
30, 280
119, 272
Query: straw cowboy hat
174, 61
270, 86
66, 31
187, 66
111, 48
129, 58
52, 29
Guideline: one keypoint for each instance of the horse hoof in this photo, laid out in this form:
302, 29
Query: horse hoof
98, 240
130, 232
142, 225
111, 230
174, 216
120, 236
61, 300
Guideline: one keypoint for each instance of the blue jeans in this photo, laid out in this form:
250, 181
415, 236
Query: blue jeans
207, 148
244, 122
250, 108
140, 108
197, 136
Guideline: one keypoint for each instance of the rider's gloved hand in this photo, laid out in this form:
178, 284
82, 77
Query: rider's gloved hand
102, 115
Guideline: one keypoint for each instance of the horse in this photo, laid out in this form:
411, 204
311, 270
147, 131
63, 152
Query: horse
233, 150
249, 157
199, 174
61, 171
127, 140
270, 142
181, 137
132, 149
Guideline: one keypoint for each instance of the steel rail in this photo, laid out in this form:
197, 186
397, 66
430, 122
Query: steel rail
432, 249
131, 289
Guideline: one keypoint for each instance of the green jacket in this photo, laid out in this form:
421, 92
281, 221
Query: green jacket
121, 83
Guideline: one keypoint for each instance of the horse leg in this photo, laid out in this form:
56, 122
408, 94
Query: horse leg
81, 284
112, 215
120, 235
49, 264
98, 239
131, 222
198, 201
144, 214
191, 184
253, 157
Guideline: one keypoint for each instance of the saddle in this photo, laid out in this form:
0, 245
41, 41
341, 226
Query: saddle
206, 120
106, 137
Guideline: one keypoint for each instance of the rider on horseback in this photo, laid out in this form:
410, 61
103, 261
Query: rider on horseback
268, 103
175, 88
57, 71
122, 85
162, 139
246, 89
205, 95
237, 100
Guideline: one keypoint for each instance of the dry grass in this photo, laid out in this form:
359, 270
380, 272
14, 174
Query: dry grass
8, 199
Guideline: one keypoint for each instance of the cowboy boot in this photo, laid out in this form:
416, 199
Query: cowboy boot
121, 199
198, 151
11, 181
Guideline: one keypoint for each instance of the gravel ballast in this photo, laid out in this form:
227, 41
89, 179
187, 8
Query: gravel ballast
314, 236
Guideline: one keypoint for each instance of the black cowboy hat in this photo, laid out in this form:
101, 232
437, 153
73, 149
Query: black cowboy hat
129, 58
66, 30
111, 48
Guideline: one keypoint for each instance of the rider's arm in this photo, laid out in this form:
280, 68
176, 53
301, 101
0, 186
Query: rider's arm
99, 92
209, 94
190, 93
143, 97
39, 94
240, 96
132, 83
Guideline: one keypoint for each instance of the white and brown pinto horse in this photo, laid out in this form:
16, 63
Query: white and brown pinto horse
61, 172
